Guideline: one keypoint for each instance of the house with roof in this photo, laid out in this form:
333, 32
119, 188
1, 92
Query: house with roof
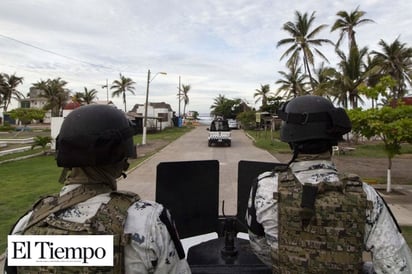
36, 100
159, 116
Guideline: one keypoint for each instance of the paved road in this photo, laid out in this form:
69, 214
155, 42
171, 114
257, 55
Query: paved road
193, 146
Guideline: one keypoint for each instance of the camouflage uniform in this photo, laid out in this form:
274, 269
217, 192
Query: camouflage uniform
151, 249
390, 252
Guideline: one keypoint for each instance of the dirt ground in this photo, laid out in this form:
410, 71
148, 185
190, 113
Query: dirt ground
372, 170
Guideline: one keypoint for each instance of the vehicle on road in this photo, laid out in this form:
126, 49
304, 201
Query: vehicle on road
219, 133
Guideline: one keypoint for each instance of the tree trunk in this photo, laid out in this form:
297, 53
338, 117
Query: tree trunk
124, 101
388, 176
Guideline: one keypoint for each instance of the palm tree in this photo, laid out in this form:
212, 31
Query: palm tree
185, 97
371, 90
218, 105
395, 60
346, 24
303, 40
89, 95
121, 86
325, 80
350, 75
8, 88
78, 97
292, 83
42, 141
2, 83
262, 94
56, 94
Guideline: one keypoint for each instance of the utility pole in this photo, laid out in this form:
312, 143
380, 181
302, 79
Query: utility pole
146, 105
178, 95
145, 109
107, 90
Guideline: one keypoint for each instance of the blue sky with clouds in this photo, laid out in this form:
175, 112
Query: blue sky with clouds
217, 47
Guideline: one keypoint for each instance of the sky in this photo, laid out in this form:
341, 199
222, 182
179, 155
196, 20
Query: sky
217, 47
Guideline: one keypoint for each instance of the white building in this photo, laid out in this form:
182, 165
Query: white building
159, 115
35, 100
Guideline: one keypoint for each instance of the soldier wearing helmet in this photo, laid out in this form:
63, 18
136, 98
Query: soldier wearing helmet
94, 144
306, 217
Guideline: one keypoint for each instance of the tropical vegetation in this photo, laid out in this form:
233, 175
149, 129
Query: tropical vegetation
26, 115
185, 97
382, 76
121, 86
8, 89
357, 71
56, 93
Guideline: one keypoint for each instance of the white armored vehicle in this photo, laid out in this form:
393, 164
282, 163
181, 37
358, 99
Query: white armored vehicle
219, 133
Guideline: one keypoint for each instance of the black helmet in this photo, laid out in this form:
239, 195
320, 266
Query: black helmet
94, 135
312, 118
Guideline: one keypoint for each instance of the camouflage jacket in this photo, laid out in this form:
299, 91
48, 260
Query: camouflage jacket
390, 253
151, 249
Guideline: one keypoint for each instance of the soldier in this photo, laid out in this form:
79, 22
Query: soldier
94, 143
306, 217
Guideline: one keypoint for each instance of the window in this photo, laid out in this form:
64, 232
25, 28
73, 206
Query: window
163, 116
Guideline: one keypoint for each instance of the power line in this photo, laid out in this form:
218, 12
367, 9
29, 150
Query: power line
58, 54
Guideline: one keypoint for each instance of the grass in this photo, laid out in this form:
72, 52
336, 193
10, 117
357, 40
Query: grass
407, 233
271, 142
377, 150
168, 134
24, 181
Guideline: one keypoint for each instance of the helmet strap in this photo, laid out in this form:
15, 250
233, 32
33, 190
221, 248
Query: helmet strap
125, 167
63, 175
295, 153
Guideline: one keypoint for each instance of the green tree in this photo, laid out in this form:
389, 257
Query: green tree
395, 60
42, 141
392, 125
78, 97
238, 105
185, 97
292, 83
195, 114
8, 89
303, 41
218, 102
89, 95
324, 80
346, 24
262, 94
273, 104
56, 93
27, 115
223, 106
351, 74
121, 86
379, 89
247, 119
